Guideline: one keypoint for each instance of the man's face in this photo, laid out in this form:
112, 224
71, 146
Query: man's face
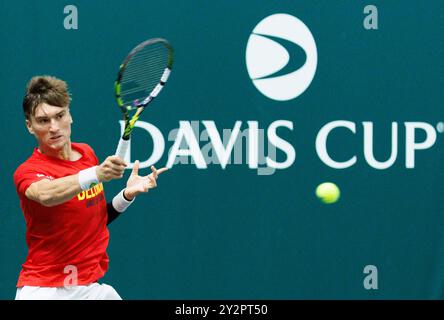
51, 126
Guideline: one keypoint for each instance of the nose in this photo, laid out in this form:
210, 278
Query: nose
54, 126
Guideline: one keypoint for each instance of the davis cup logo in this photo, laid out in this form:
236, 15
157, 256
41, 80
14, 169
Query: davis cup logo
272, 55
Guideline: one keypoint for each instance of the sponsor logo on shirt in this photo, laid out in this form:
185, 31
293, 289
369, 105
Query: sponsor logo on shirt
39, 175
92, 196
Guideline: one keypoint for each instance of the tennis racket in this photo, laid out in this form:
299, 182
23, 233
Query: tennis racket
141, 77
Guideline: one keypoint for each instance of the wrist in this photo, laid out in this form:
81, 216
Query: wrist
99, 176
120, 203
88, 178
126, 196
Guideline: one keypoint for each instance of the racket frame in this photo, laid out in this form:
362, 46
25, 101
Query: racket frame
125, 108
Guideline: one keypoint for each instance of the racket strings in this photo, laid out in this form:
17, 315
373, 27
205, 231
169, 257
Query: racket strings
143, 77
149, 54
148, 62
143, 73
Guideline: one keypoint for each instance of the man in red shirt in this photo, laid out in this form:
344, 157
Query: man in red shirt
61, 195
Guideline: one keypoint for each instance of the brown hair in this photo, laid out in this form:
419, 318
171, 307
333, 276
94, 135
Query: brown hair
45, 89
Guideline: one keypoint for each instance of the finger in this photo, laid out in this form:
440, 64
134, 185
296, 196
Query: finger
153, 169
135, 171
117, 172
152, 182
117, 160
117, 167
117, 176
161, 170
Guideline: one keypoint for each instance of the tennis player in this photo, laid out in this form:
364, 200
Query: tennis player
62, 198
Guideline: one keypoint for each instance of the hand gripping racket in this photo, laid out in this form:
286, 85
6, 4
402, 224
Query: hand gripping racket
141, 77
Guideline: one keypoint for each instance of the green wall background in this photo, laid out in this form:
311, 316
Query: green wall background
233, 234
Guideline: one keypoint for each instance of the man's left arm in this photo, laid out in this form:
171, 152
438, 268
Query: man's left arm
135, 185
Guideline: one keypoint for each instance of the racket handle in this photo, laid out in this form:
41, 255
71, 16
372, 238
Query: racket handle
122, 148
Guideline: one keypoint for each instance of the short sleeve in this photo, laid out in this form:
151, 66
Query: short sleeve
25, 176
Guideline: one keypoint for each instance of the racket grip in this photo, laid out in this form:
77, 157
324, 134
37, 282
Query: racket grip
122, 148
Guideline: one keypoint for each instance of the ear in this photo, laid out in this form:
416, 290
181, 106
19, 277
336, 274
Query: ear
29, 126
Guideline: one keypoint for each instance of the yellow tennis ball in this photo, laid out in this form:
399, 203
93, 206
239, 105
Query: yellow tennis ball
328, 192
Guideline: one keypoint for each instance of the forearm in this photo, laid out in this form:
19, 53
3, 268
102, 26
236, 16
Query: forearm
54, 192
119, 204
112, 213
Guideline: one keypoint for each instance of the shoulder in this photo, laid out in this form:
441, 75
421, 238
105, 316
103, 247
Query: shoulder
21, 169
31, 164
31, 170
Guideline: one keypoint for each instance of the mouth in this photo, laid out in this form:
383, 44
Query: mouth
55, 138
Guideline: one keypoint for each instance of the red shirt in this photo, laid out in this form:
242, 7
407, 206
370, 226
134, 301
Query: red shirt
67, 238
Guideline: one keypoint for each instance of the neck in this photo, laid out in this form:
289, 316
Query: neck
65, 153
